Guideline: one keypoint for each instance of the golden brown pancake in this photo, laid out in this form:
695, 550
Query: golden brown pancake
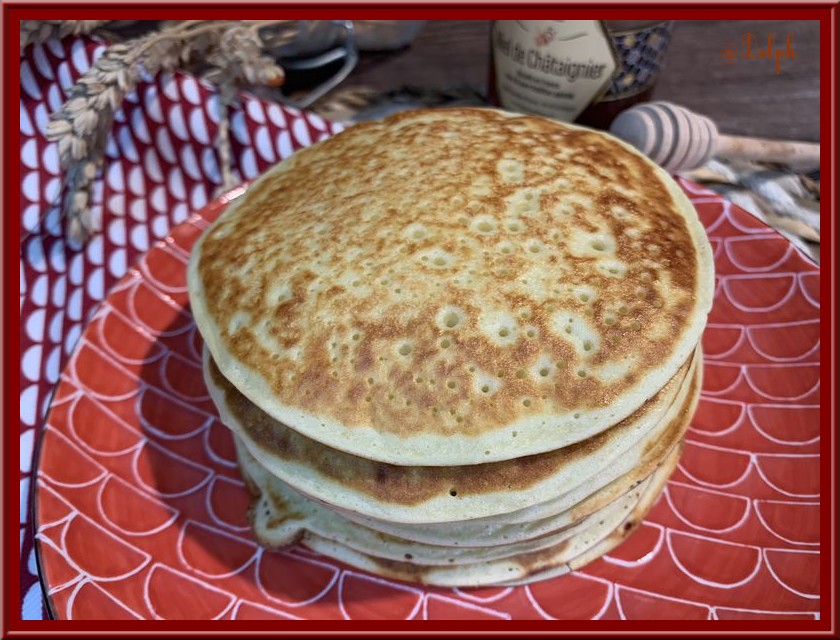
429, 494
281, 516
454, 287
602, 531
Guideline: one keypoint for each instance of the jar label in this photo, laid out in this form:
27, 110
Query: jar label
554, 68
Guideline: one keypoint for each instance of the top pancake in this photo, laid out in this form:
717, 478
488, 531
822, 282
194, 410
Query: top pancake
454, 287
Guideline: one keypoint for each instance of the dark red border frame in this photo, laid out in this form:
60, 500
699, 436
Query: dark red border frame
825, 12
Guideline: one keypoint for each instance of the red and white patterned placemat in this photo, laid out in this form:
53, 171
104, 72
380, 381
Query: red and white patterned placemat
161, 166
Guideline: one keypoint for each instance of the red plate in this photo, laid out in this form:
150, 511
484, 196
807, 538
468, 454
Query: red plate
140, 512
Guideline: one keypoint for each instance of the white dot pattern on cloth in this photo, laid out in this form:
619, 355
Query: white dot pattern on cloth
161, 165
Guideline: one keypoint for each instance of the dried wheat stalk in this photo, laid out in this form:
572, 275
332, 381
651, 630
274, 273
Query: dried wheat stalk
229, 53
39, 31
236, 61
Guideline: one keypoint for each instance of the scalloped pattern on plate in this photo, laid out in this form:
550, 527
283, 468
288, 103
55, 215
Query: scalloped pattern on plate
135, 458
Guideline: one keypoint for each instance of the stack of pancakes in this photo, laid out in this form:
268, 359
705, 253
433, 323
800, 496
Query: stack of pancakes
458, 347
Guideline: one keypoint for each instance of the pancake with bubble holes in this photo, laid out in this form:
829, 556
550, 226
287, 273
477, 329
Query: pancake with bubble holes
280, 516
605, 486
449, 287
430, 494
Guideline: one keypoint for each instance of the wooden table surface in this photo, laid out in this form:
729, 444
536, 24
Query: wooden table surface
746, 98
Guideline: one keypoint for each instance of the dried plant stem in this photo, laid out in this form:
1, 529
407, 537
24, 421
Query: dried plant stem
231, 49
81, 128
39, 31
223, 139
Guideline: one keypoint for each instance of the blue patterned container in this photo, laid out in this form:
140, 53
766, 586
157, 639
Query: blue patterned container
641, 50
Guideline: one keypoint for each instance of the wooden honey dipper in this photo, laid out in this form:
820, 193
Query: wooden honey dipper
678, 139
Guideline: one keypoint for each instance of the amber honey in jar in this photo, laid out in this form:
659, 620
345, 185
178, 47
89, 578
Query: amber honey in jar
584, 71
